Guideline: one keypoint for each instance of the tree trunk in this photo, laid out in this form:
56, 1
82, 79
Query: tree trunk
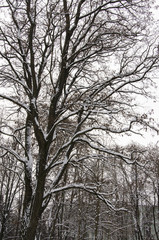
3, 222
28, 166
36, 208
97, 219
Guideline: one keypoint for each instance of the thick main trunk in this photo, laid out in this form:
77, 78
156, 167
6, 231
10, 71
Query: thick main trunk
36, 210
3, 222
37, 200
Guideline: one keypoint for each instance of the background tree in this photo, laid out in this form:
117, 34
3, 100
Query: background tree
68, 68
11, 195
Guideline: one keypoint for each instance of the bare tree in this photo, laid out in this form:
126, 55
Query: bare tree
11, 191
70, 70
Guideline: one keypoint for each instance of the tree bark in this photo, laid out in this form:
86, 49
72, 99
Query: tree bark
37, 209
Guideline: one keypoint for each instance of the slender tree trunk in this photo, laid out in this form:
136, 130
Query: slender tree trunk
97, 219
79, 217
18, 227
52, 232
137, 211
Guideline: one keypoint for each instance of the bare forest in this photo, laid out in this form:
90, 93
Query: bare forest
70, 71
